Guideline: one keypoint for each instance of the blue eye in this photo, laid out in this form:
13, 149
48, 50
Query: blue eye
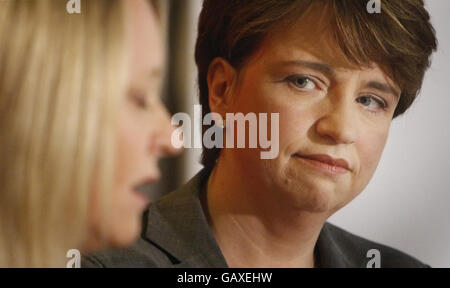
302, 82
371, 102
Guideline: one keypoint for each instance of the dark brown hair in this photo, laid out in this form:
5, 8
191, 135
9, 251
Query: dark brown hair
400, 39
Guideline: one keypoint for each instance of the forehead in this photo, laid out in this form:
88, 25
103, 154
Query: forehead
312, 36
145, 34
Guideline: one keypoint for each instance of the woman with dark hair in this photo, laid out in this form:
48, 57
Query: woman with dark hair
337, 76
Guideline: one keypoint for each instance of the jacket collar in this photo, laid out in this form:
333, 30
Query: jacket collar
177, 224
329, 251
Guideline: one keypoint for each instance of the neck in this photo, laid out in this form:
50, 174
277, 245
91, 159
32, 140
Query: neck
255, 229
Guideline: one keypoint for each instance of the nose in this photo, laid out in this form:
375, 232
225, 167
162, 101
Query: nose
339, 122
162, 141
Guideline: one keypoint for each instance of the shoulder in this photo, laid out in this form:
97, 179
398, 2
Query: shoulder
143, 254
356, 251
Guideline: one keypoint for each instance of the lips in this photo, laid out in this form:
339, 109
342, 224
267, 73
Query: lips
143, 187
147, 181
326, 162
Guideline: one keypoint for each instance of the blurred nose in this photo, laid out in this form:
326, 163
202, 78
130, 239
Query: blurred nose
162, 141
339, 122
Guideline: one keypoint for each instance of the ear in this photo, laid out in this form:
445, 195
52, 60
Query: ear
221, 80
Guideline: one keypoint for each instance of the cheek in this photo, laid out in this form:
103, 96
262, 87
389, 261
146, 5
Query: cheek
370, 148
295, 122
123, 217
130, 150
130, 158
295, 117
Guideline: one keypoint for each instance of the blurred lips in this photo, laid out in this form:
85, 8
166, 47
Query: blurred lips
146, 181
140, 190
325, 163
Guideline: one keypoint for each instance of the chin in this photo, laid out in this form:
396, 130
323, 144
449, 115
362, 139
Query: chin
125, 235
319, 202
311, 197
304, 191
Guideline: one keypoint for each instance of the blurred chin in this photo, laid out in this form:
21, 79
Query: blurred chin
125, 233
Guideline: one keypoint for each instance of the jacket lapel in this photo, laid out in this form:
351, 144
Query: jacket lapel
178, 226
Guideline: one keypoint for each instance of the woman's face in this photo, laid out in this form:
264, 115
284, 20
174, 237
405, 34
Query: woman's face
144, 129
327, 108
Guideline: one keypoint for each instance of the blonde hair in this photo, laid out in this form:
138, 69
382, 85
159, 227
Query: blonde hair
61, 76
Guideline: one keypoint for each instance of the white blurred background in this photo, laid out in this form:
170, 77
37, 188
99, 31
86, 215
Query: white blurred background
407, 203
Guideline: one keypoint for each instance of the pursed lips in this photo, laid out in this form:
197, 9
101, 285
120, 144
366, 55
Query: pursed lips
327, 160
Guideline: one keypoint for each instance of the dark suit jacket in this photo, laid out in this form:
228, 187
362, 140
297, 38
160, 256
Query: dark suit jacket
176, 234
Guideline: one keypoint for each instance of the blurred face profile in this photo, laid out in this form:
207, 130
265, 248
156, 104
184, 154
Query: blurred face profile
144, 130
334, 118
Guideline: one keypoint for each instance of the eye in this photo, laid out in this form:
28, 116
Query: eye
302, 82
140, 100
373, 103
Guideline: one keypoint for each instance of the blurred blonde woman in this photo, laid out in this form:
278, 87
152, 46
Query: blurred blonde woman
81, 126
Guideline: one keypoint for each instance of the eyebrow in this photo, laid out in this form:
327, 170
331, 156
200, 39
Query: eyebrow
321, 67
328, 70
386, 88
